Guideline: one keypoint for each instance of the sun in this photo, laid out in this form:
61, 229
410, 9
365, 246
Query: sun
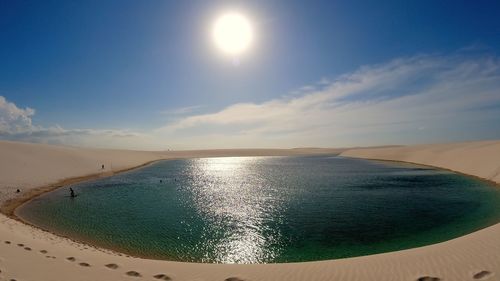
232, 33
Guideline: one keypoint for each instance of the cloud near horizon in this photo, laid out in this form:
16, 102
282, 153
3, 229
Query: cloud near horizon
424, 98
16, 124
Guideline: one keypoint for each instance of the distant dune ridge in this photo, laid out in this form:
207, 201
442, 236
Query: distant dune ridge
480, 159
27, 253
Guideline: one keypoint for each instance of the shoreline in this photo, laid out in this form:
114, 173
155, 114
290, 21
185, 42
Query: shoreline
9, 207
17, 204
489, 181
14, 205
436, 156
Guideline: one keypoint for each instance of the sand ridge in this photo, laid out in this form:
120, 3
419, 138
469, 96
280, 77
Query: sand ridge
480, 159
28, 253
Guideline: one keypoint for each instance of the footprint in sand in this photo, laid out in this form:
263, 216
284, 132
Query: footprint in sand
27, 248
7, 242
133, 274
71, 259
111, 266
43, 251
482, 274
429, 278
162, 277
84, 264
20, 245
237, 279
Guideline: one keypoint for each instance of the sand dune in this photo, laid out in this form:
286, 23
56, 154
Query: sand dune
480, 159
27, 253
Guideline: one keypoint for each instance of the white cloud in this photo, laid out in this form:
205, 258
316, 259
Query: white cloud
14, 119
386, 103
16, 124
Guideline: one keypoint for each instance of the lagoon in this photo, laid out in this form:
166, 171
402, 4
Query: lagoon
268, 209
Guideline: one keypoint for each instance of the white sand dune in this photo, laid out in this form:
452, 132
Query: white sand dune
480, 158
27, 253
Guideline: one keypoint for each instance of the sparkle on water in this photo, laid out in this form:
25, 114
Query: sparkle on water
269, 209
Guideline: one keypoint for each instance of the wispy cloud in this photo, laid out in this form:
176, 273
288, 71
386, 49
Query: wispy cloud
182, 110
407, 100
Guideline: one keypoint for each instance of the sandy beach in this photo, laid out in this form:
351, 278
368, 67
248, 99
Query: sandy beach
28, 253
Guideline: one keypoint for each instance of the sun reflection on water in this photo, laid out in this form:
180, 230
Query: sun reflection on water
237, 207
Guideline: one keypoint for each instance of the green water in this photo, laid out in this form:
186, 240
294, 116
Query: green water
269, 209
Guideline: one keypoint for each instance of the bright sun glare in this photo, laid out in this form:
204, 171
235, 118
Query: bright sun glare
232, 33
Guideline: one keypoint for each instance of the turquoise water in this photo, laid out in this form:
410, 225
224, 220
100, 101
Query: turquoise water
269, 209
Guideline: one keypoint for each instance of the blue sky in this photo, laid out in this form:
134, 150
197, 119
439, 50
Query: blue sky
146, 75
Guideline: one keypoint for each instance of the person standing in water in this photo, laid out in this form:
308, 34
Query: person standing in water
72, 192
